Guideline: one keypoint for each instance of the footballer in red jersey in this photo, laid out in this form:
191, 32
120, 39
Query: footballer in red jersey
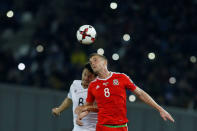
110, 96
109, 92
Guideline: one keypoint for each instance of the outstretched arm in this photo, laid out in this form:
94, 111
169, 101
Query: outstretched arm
65, 104
142, 95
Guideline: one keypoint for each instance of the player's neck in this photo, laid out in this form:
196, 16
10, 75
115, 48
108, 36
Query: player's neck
85, 87
104, 74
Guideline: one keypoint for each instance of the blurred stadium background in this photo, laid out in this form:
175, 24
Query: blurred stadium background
154, 42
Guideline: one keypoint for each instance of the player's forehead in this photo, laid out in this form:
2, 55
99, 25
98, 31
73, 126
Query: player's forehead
94, 58
86, 71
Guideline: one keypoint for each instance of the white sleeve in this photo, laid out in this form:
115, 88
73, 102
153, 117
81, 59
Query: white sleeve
69, 94
70, 91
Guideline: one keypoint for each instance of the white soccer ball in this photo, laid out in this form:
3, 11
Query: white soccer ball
86, 34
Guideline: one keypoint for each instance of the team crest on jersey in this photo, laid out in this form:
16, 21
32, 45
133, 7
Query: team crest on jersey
115, 82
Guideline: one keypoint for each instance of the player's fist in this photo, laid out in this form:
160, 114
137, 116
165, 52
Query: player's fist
56, 111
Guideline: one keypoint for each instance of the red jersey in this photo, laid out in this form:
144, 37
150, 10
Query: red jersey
110, 96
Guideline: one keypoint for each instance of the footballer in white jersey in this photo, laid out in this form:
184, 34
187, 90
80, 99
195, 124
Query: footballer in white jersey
77, 95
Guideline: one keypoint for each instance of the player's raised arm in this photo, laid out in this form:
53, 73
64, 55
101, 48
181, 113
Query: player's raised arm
142, 95
65, 104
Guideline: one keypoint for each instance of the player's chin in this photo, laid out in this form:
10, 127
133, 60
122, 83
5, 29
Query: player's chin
95, 71
85, 85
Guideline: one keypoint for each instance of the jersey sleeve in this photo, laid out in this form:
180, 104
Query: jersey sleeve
129, 83
69, 95
90, 97
70, 91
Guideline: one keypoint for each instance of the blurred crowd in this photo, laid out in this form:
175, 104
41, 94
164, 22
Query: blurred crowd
167, 28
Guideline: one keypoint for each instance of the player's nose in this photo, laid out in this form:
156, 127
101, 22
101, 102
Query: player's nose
93, 66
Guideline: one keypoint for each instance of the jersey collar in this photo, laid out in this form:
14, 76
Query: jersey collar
111, 73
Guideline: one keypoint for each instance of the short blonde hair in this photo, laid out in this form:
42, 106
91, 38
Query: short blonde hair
96, 54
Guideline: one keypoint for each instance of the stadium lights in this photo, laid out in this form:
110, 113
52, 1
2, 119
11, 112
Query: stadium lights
193, 59
40, 48
113, 5
126, 37
10, 14
100, 51
21, 66
115, 56
172, 80
151, 56
132, 98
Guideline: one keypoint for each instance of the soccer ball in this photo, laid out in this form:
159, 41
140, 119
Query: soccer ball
86, 34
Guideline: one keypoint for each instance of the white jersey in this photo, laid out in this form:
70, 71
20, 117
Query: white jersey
78, 95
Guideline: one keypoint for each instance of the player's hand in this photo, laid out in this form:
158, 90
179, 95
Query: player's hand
79, 109
56, 111
79, 122
166, 116
82, 115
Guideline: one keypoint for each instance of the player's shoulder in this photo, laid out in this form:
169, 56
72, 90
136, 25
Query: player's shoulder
118, 74
92, 83
122, 75
75, 84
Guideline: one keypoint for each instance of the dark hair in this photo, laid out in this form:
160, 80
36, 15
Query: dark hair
96, 54
89, 68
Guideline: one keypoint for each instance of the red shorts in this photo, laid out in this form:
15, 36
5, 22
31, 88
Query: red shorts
105, 128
